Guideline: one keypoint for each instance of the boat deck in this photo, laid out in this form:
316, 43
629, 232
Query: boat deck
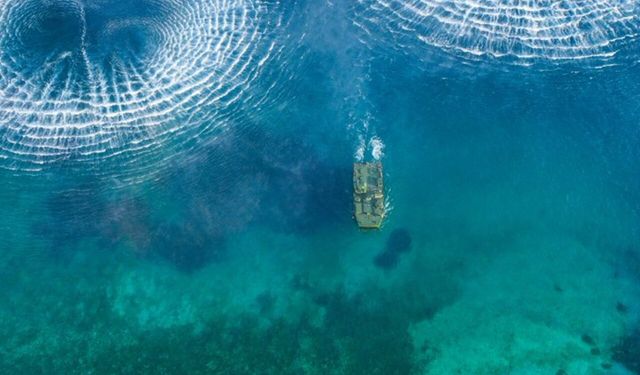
368, 194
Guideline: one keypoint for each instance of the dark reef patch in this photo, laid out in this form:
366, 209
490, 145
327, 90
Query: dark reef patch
186, 246
353, 338
246, 178
305, 191
81, 211
627, 352
587, 339
398, 243
78, 214
265, 302
126, 220
254, 177
621, 307
376, 338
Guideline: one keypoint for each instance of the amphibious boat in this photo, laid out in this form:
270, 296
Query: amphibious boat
368, 194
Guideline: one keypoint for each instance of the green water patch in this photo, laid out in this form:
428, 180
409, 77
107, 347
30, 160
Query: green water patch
76, 330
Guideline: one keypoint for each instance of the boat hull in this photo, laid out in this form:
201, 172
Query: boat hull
368, 194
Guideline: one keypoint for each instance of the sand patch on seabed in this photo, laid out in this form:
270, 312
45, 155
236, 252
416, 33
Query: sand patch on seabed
526, 311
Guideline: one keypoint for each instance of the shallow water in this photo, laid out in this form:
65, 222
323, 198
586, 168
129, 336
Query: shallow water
176, 187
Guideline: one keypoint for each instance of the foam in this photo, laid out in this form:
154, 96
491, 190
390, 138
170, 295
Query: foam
359, 154
377, 148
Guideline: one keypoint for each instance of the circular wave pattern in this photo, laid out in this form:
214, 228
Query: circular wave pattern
114, 79
521, 31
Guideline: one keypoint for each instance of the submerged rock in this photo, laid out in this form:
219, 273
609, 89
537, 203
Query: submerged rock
587, 340
621, 308
399, 242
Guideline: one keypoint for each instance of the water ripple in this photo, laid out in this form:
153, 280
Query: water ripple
522, 32
102, 80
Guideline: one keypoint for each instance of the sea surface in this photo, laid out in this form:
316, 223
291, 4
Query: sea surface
176, 187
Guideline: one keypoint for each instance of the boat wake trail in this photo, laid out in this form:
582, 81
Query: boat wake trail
375, 146
114, 79
519, 31
350, 72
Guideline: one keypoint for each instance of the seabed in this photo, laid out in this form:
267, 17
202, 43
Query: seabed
178, 187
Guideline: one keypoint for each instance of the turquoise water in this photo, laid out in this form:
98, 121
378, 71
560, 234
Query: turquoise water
175, 185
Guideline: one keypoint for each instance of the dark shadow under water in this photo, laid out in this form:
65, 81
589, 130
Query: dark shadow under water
247, 178
398, 243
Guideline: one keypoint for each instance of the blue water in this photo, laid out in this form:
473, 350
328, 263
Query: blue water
176, 187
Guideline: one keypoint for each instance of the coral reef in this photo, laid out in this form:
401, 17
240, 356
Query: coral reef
512, 319
627, 352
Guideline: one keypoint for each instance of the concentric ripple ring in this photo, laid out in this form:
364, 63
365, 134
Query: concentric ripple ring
89, 80
520, 31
